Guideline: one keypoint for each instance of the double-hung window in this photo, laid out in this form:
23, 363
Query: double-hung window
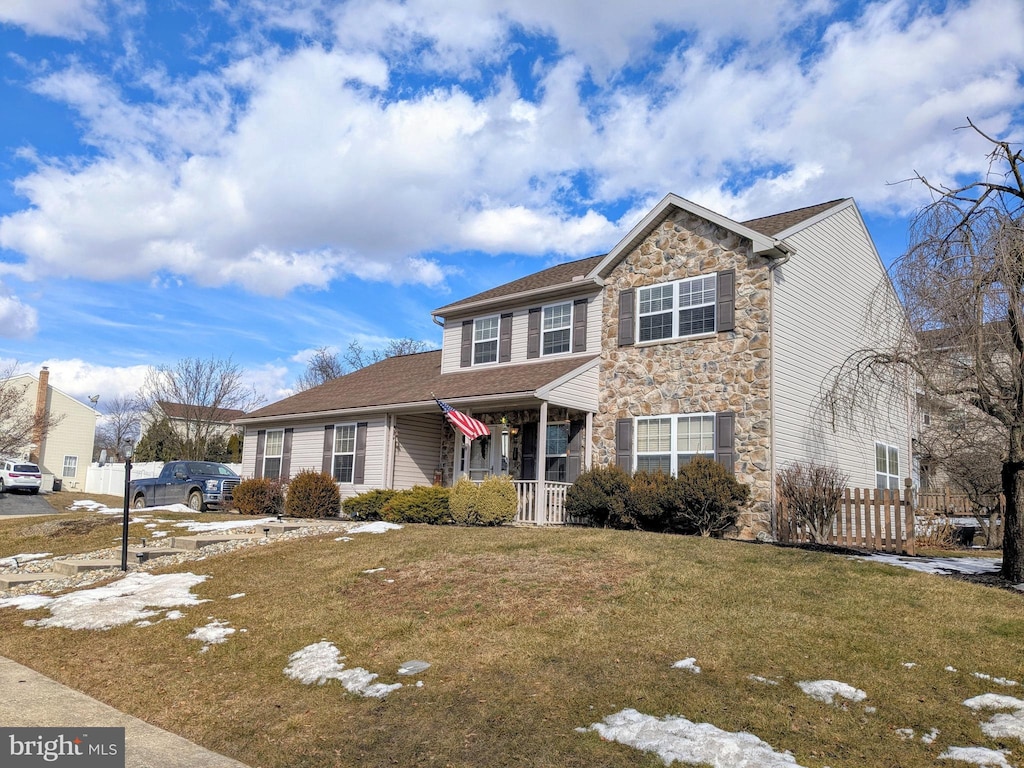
678, 309
666, 443
887, 466
272, 453
70, 466
344, 453
485, 340
557, 328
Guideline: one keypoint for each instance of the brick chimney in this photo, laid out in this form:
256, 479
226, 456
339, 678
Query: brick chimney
40, 418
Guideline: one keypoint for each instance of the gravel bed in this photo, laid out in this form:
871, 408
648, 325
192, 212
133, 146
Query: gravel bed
60, 583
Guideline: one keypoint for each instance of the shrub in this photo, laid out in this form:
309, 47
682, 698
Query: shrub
496, 502
312, 494
812, 493
708, 498
597, 498
462, 501
421, 504
651, 501
367, 506
259, 496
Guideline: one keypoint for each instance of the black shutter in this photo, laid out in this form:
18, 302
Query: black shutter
261, 440
505, 339
725, 440
533, 333
624, 444
627, 319
579, 325
725, 313
328, 458
574, 461
286, 455
529, 438
359, 463
467, 344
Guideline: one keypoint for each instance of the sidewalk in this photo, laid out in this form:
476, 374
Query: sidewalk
30, 699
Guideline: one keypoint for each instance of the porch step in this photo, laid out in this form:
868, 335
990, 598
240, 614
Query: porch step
74, 567
149, 553
9, 580
198, 542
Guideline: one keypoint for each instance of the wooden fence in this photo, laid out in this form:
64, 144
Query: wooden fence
867, 519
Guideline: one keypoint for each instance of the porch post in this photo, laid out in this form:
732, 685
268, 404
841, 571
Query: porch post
542, 463
588, 448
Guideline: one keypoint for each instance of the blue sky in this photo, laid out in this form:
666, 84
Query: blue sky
259, 178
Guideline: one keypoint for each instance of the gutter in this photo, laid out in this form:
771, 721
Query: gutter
516, 298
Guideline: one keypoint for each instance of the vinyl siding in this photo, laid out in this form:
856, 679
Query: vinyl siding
73, 436
417, 450
452, 336
580, 392
820, 304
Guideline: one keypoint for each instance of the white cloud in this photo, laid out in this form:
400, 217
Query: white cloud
17, 319
59, 18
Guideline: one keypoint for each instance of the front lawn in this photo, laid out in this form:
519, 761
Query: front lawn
532, 634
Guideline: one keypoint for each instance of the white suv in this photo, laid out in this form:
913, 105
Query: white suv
19, 475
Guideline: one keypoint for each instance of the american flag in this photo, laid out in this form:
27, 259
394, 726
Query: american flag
467, 425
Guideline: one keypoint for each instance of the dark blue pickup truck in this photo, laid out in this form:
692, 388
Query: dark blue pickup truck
201, 485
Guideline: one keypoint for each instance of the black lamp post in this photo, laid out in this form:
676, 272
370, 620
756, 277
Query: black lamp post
127, 482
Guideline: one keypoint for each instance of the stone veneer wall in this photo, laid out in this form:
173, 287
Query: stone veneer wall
730, 371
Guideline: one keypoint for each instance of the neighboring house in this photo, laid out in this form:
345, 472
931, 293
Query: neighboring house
188, 420
695, 335
65, 450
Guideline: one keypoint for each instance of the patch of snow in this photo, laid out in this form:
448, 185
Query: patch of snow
905, 733
194, 526
26, 602
937, 565
174, 615
151, 525
158, 534
931, 736
976, 755
909, 664
373, 570
14, 560
765, 680
94, 506
827, 690
689, 664
676, 738
951, 669
213, 633
413, 667
870, 710
1004, 724
996, 680
135, 597
344, 538
236, 595
378, 526
320, 662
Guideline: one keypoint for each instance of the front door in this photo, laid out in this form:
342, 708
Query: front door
486, 456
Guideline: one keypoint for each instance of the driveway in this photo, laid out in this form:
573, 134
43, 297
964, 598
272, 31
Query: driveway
13, 504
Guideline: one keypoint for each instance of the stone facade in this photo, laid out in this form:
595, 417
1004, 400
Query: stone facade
726, 371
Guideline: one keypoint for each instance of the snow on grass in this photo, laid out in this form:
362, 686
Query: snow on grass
373, 570
676, 738
976, 755
938, 565
14, 560
996, 680
236, 595
1003, 724
25, 602
136, 597
94, 506
764, 680
320, 662
193, 526
378, 526
689, 664
827, 690
213, 633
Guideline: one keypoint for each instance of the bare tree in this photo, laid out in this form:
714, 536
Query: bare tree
323, 366
120, 423
22, 425
813, 492
204, 393
356, 357
962, 283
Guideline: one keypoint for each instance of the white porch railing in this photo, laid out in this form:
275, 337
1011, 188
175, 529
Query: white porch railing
545, 506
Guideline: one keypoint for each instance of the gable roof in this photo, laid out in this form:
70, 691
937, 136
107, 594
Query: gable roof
414, 380
565, 275
780, 222
184, 411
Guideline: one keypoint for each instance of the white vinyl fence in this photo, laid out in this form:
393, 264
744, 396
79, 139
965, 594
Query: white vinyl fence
109, 478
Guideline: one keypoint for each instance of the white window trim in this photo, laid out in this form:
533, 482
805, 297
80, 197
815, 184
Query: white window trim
544, 331
335, 453
496, 339
64, 468
673, 453
268, 455
888, 474
676, 308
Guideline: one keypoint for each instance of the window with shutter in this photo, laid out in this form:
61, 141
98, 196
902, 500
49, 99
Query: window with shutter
557, 329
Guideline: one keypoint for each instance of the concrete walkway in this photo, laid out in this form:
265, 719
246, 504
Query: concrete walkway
33, 700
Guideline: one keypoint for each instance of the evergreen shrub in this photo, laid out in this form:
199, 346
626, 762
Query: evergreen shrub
420, 504
259, 496
708, 498
597, 498
367, 506
312, 494
496, 502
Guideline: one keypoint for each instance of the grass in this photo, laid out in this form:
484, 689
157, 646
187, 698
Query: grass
534, 633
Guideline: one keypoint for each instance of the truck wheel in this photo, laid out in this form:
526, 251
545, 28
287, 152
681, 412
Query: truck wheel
139, 502
195, 501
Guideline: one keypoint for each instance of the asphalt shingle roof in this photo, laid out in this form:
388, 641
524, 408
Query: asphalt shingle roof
417, 378
780, 222
183, 411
